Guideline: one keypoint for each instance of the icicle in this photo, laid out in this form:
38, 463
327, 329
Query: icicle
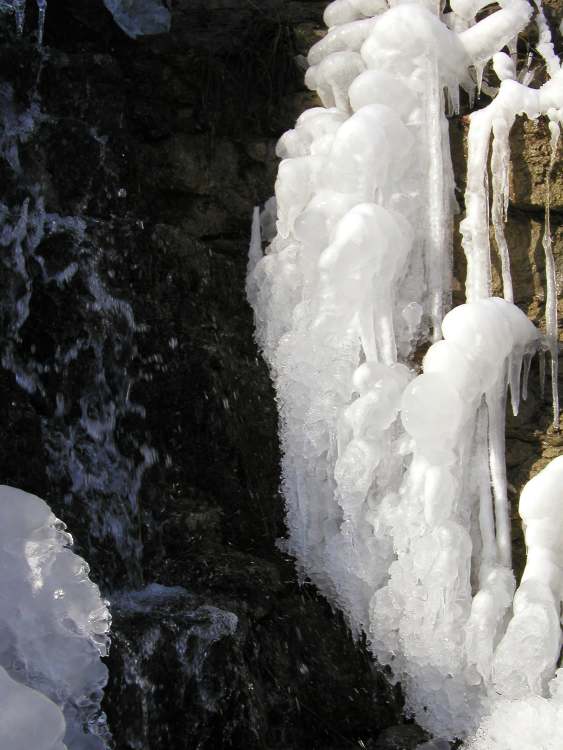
42, 10
552, 332
526, 375
437, 239
500, 162
512, 45
19, 10
515, 364
475, 227
255, 249
541, 356
486, 517
496, 403
479, 70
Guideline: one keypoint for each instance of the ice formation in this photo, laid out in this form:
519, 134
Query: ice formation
395, 482
140, 17
17, 7
135, 17
53, 630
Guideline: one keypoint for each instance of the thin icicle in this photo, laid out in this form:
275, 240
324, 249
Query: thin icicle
437, 239
255, 249
514, 380
551, 323
41, 10
500, 162
541, 356
496, 403
19, 11
486, 516
526, 375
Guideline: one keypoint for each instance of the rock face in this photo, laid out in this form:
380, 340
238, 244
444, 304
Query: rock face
140, 165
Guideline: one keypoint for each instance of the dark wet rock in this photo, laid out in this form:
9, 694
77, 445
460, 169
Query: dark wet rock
232, 675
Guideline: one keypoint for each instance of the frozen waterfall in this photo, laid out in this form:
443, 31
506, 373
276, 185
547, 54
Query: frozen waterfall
394, 476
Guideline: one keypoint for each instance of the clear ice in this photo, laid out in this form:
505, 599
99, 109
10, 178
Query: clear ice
395, 479
53, 631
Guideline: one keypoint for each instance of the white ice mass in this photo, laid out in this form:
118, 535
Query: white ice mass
53, 630
395, 478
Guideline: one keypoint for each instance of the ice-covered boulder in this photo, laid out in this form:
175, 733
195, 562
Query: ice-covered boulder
53, 630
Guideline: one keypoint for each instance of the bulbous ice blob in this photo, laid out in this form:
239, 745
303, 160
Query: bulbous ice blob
315, 224
345, 11
357, 270
482, 334
448, 359
367, 240
431, 410
370, 375
542, 497
467, 9
312, 125
291, 144
332, 77
349, 36
295, 183
28, 719
492, 33
379, 87
369, 148
523, 333
409, 32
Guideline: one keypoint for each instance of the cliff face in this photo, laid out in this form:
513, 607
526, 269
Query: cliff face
161, 146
